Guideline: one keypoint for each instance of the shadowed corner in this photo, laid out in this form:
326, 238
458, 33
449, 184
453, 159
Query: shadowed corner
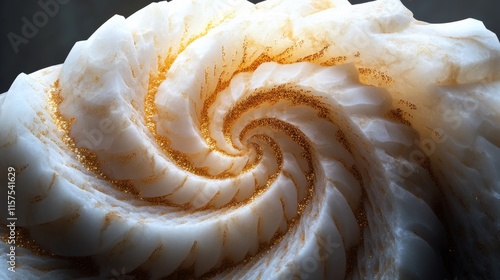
41, 33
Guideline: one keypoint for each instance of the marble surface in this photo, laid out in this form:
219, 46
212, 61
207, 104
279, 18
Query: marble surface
78, 19
286, 140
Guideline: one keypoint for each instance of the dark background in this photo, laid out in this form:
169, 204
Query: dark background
78, 19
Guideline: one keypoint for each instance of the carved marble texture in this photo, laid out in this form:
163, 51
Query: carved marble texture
220, 139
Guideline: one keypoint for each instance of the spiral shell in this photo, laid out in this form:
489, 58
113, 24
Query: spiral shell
284, 140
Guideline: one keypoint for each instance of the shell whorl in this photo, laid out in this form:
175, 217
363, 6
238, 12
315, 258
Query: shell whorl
188, 139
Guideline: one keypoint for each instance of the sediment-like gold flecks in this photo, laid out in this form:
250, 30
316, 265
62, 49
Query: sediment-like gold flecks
295, 112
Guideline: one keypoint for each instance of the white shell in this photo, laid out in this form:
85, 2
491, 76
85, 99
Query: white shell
358, 112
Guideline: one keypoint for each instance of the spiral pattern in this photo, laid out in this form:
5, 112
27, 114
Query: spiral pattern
226, 140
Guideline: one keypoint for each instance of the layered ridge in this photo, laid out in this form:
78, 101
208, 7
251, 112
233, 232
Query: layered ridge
284, 140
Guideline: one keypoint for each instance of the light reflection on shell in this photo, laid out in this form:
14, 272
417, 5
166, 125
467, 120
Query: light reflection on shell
284, 140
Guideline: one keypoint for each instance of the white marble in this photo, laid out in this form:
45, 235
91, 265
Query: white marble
397, 117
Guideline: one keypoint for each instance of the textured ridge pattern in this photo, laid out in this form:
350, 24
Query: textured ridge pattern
284, 140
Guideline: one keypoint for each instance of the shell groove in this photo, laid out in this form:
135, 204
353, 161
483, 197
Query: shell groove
202, 139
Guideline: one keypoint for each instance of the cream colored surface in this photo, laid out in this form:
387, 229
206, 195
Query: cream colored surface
285, 140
